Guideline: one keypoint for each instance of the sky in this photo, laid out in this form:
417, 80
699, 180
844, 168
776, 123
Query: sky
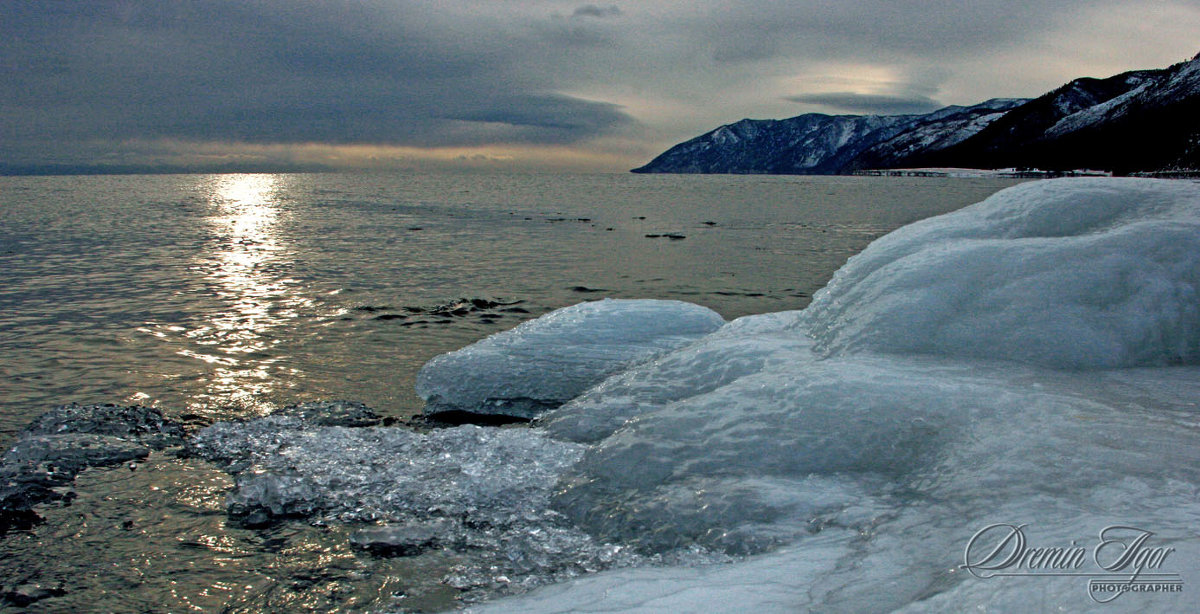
516, 84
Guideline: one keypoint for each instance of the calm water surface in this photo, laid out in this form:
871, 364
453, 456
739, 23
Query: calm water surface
225, 296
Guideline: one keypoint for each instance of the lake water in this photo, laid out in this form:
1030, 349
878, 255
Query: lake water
226, 296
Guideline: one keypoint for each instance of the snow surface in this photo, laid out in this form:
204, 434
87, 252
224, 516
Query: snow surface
1104, 111
542, 363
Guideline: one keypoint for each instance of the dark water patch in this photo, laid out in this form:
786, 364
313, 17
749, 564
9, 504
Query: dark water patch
42, 465
457, 417
484, 309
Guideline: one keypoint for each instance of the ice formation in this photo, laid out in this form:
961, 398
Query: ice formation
47, 455
540, 364
291, 467
480, 491
960, 372
1083, 273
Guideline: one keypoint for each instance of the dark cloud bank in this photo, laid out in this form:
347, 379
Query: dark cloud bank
84, 77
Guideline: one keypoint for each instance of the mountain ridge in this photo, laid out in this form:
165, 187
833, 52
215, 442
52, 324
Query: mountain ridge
1137, 121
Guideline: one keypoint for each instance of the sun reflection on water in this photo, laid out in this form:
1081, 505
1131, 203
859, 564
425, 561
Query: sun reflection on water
247, 271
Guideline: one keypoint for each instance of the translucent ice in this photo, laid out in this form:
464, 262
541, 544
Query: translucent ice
873, 472
1066, 273
859, 444
542, 363
66, 440
288, 467
479, 491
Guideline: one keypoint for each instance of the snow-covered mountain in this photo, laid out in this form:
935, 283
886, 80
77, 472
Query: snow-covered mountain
816, 143
933, 132
808, 144
1137, 121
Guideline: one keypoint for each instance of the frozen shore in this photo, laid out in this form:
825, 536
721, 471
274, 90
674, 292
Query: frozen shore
1027, 364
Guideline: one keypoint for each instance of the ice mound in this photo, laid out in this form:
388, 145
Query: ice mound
743, 347
754, 462
1067, 453
858, 445
538, 365
1073, 273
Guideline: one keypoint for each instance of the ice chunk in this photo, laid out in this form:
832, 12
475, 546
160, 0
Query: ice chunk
542, 363
481, 491
289, 467
70, 453
1076, 273
333, 413
145, 425
404, 540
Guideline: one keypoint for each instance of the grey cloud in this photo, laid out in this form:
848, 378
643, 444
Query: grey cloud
751, 30
872, 104
543, 118
273, 72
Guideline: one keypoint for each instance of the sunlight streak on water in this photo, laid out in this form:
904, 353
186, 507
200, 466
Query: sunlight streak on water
247, 265
243, 270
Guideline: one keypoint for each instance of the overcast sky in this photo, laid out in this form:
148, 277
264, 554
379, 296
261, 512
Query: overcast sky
519, 83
